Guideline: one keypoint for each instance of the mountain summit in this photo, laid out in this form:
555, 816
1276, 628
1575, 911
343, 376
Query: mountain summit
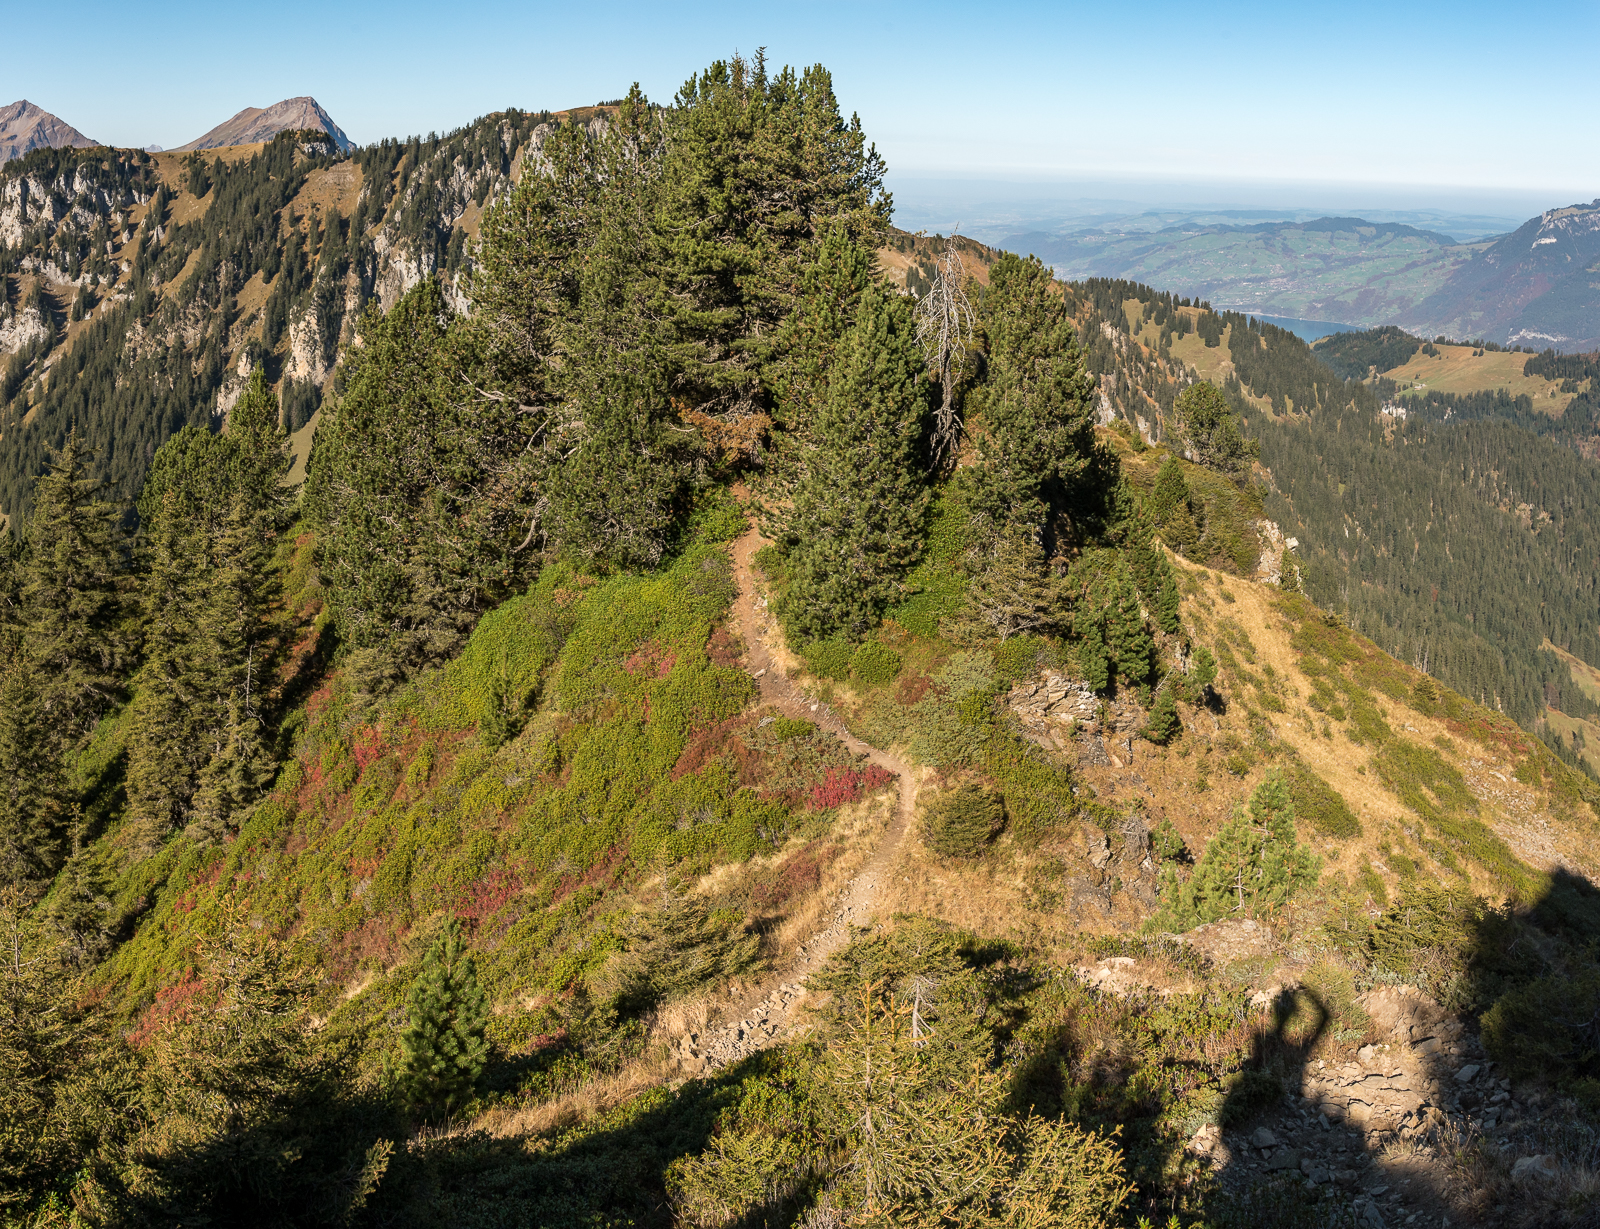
262, 124
25, 127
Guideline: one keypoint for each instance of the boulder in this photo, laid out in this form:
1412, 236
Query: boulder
1226, 942
1534, 1168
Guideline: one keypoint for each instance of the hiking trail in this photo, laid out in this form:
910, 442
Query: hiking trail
766, 1015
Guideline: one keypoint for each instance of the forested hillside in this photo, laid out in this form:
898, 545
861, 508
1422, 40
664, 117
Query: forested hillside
141, 292
1427, 529
749, 718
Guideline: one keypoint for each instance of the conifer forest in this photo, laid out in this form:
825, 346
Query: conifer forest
570, 673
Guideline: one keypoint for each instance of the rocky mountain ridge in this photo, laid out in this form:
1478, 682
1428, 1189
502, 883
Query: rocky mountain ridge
255, 124
25, 127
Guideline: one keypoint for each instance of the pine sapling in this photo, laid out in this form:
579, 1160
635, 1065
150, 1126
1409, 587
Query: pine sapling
443, 1047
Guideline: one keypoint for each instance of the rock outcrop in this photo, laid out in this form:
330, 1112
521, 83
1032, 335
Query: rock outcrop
1064, 714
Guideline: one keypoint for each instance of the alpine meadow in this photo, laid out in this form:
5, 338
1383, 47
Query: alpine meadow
570, 673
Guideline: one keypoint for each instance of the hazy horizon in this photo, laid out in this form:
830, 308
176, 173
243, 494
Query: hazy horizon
1387, 95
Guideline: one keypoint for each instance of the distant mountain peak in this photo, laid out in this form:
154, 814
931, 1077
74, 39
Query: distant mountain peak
25, 127
263, 123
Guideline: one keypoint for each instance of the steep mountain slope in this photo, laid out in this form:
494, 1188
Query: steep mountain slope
1533, 287
1426, 531
257, 124
661, 769
25, 127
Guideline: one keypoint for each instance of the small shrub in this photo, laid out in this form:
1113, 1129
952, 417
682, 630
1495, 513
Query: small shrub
769, 561
1547, 1026
961, 822
828, 659
1425, 696
1018, 658
1320, 805
717, 518
1429, 935
1164, 724
875, 663
1167, 844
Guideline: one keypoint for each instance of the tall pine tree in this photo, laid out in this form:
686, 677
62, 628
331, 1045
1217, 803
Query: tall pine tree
1034, 424
856, 523
32, 795
212, 509
166, 750
70, 596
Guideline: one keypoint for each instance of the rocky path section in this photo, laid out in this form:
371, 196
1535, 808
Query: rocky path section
767, 1015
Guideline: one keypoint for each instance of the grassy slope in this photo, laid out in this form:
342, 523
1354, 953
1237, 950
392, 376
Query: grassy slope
1455, 370
389, 818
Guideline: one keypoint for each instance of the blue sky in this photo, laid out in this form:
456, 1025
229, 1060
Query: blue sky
1441, 96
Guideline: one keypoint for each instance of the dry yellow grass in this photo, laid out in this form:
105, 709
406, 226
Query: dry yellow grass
336, 188
1457, 371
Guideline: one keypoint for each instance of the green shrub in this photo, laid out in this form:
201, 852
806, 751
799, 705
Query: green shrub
1164, 724
1019, 658
828, 659
1546, 1027
1335, 989
1429, 936
717, 518
1253, 863
770, 562
875, 663
1168, 844
960, 823
1320, 805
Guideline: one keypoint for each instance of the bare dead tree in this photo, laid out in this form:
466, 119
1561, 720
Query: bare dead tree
944, 326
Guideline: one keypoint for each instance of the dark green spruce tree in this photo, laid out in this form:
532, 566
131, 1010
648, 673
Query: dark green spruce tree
419, 491
70, 599
235, 639
1211, 431
212, 508
1035, 426
166, 749
32, 794
855, 527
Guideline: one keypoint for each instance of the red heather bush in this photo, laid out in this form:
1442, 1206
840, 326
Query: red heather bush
799, 875
173, 1004
722, 648
651, 660
366, 745
487, 896
711, 744
842, 785
912, 688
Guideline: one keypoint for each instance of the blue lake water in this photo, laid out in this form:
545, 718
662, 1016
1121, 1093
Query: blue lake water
1307, 330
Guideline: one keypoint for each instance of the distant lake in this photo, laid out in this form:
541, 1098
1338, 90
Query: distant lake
1306, 330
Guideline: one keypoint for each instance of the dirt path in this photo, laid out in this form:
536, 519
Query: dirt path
767, 1014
